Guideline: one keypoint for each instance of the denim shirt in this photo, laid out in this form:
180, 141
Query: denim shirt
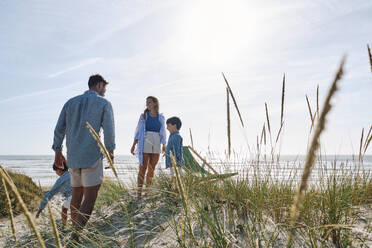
62, 185
141, 131
175, 146
82, 148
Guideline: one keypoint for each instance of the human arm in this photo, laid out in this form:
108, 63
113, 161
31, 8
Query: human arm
137, 133
49, 195
177, 148
59, 135
108, 126
163, 134
169, 150
133, 146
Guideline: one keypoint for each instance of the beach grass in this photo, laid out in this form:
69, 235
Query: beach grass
250, 210
29, 191
311, 203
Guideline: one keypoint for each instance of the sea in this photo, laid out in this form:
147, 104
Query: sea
39, 167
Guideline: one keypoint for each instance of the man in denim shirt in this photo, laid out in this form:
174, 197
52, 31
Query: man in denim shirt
83, 154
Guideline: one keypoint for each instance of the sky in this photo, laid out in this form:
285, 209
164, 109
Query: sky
176, 50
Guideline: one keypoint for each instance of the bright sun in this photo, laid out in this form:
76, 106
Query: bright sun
216, 31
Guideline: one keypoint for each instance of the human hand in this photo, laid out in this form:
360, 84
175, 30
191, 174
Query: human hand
59, 159
132, 149
164, 148
111, 154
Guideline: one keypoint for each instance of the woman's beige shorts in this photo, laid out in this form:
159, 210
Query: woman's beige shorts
152, 142
87, 177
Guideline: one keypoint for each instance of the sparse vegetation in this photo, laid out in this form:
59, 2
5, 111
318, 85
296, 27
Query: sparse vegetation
29, 191
261, 207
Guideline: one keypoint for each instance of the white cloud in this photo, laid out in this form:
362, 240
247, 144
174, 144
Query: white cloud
37, 93
75, 67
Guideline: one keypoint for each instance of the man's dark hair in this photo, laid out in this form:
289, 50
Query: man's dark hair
65, 168
95, 79
175, 121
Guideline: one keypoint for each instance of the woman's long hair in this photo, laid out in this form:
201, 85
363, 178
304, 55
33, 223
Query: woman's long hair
156, 107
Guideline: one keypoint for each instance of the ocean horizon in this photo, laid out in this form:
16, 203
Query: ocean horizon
39, 167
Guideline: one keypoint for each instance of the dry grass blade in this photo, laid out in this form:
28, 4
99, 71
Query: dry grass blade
282, 106
184, 196
368, 140
360, 146
228, 122
10, 212
263, 135
317, 101
103, 150
312, 117
27, 213
369, 56
280, 130
267, 119
232, 96
310, 112
268, 125
203, 160
311, 154
369, 132
54, 227
269, 128
192, 142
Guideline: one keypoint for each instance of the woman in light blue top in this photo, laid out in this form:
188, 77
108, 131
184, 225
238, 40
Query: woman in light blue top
150, 135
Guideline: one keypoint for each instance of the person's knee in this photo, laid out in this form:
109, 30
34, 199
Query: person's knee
77, 191
91, 192
142, 170
150, 173
154, 159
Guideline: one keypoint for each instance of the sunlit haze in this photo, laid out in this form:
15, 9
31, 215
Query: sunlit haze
176, 50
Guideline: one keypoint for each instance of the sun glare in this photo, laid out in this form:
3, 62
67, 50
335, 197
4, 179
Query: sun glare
216, 32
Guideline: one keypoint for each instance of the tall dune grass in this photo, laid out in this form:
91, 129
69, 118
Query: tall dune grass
369, 56
270, 204
311, 155
228, 122
103, 150
30, 218
234, 101
54, 227
10, 211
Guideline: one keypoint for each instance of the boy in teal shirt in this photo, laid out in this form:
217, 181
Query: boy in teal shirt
174, 145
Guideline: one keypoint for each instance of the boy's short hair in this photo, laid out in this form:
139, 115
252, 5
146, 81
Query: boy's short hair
65, 167
175, 121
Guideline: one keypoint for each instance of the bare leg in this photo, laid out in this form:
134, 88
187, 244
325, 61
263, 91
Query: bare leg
141, 173
87, 206
154, 158
77, 195
173, 180
64, 217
